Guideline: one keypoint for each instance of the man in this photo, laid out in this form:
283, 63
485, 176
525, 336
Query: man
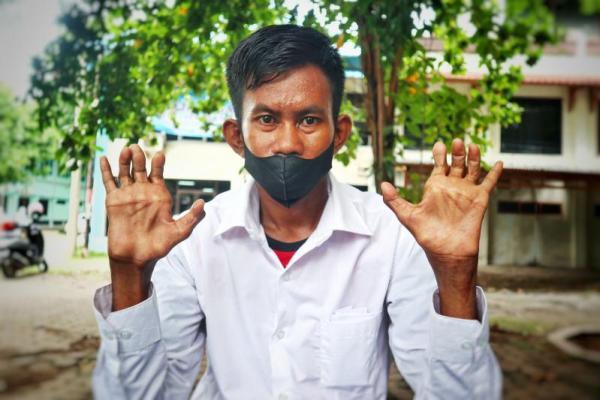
295, 285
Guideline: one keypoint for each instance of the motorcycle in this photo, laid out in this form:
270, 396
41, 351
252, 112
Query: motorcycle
21, 246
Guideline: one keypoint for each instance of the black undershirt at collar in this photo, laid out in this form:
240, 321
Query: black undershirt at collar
284, 246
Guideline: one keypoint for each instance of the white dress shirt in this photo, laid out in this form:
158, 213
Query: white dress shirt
318, 329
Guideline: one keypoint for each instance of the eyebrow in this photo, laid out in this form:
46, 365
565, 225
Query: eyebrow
312, 110
260, 107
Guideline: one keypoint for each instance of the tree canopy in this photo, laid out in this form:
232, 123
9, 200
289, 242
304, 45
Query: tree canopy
407, 85
119, 63
23, 150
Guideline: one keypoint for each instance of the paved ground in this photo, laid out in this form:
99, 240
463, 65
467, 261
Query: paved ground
48, 336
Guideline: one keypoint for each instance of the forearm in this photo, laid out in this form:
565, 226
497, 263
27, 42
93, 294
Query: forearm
461, 363
141, 355
130, 341
440, 356
445, 357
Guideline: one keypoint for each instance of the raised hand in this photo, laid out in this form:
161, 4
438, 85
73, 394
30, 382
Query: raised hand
447, 222
141, 228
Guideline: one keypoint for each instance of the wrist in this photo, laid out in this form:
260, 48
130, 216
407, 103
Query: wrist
456, 278
458, 304
130, 284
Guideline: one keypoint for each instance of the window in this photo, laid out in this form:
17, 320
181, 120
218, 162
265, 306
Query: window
540, 130
529, 208
44, 203
185, 192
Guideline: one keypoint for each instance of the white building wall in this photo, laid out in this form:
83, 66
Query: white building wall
197, 160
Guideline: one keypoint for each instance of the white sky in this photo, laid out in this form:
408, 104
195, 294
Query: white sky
26, 27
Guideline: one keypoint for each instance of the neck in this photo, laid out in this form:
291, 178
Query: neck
294, 223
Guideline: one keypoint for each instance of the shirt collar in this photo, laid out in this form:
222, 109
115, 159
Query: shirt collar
341, 212
240, 210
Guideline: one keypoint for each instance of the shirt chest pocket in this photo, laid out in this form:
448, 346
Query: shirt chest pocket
348, 348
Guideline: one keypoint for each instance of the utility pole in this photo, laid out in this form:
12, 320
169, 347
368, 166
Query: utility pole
74, 192
71, 226
88, 206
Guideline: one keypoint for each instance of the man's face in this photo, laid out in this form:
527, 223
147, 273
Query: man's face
289, 115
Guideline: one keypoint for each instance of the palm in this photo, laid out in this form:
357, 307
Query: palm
142, 211
447, 222
141, 228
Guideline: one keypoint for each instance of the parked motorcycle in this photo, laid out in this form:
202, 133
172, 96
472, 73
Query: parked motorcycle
21, 246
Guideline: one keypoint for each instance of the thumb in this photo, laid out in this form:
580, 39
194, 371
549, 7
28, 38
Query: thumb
397, 204
187, 222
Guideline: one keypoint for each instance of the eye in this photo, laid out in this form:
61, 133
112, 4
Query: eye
310, 121
266, 119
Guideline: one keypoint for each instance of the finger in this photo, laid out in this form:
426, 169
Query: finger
474, 164
124, 167
458, 158
397, 204
139, 163
440, 166
157, 167
107, 176
490, 181
186, 224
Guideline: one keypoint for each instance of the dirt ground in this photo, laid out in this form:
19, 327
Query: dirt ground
48, 337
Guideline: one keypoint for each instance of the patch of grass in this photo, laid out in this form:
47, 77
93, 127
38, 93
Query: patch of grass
77, 272
521, 326
28, 271
90, 254
33, 270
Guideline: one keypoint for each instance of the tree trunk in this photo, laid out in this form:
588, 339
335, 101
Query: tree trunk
380, 111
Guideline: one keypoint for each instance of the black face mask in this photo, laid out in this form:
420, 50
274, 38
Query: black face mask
288, 178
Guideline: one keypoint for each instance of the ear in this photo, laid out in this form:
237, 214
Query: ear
343, 130
233, 136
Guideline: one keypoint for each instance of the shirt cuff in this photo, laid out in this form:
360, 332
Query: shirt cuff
130, 329
456, 339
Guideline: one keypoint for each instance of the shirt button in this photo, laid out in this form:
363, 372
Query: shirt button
108, 335
279, 334
283, 396
286, 277
125, 334
467, 345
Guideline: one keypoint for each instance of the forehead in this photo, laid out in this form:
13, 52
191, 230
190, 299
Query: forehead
297, 89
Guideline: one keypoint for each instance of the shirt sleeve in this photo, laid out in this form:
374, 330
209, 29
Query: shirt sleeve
151, 350
440, 357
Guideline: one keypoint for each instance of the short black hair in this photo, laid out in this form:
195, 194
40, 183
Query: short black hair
276, 49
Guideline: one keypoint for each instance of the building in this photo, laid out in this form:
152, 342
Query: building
546, 210
52, 191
